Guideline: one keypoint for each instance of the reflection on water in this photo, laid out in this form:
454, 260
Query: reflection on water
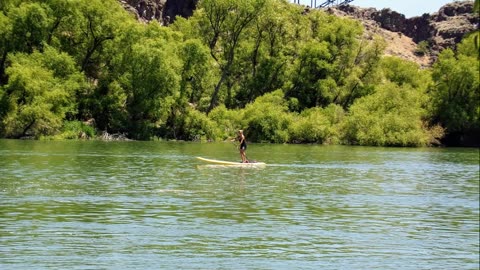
150, 205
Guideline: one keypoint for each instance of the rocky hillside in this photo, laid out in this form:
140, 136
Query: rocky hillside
443, 29
440, 30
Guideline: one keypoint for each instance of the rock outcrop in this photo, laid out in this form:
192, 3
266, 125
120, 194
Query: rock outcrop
163, 11
182, 8
452, 22
443, 29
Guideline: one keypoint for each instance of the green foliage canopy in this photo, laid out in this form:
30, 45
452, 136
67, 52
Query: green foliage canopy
456, 94
39, 94
282, 73
392, 116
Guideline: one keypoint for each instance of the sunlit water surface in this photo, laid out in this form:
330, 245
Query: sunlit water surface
152, 205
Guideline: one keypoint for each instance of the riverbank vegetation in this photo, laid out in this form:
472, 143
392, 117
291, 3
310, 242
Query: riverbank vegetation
82, 68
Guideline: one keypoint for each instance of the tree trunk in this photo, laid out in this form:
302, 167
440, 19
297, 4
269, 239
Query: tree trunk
214, 100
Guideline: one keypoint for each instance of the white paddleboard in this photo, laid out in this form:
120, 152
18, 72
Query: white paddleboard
231, 163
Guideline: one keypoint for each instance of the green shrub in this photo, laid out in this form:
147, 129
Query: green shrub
227, 121
393, 116
269, 127
73, 130
197, 126
317, 125
422, 48
268, 119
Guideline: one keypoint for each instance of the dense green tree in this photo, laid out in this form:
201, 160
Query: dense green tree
151, 83
334, 63
5, 34
281, 72
105, 102
264, 57
224, 24
40, 93
274, 49
397, 113
312, 75
392, 116
30, 25
456, 94
403, 72
98, 23
358, 72
196, 81
5, 5
24, 29
196, 73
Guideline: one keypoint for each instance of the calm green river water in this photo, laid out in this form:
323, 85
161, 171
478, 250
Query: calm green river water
152, 205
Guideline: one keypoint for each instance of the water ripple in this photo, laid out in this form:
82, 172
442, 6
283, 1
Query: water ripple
153, 206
